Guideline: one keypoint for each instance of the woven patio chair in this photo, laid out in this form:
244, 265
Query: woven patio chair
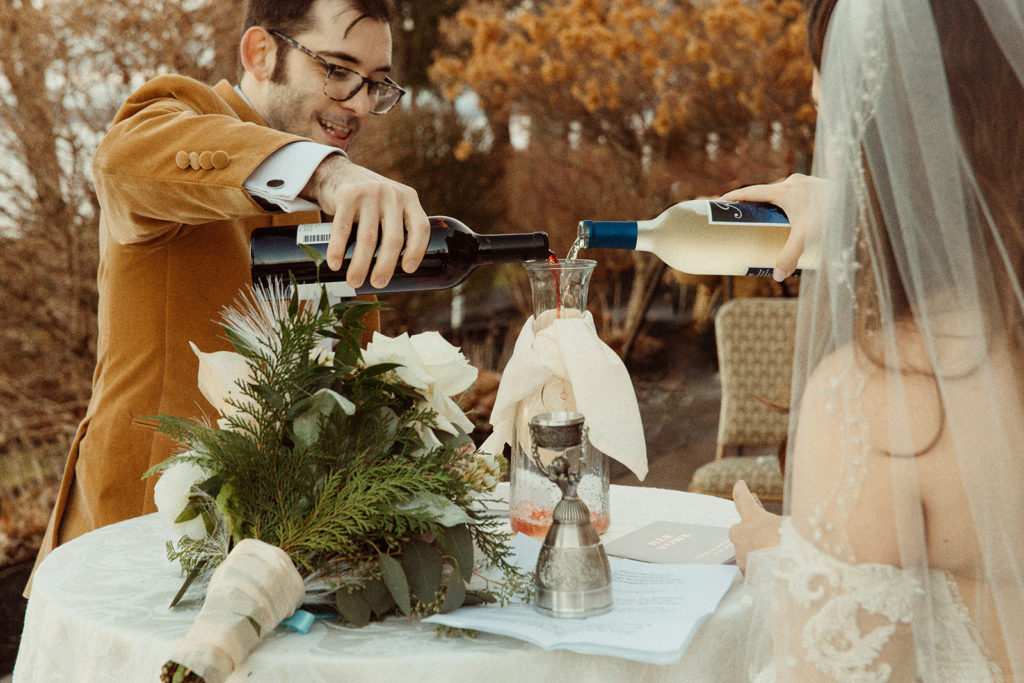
754, 339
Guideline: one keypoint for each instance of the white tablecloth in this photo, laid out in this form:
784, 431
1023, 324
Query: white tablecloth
98, 612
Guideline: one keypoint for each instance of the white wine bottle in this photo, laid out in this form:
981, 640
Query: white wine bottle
700, 236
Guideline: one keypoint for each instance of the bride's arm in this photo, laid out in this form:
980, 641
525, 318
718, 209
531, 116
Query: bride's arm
757, 528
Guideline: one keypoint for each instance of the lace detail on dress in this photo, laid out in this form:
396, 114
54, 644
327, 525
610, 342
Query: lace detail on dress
851, 622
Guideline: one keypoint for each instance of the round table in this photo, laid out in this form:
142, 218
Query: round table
99, 612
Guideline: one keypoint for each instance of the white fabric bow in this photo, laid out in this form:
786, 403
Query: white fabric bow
570, 349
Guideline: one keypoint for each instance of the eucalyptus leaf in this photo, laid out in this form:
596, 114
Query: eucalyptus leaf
379, 369
346, 405
348, 350
462, 441
455, 594
422, 565
353, 607
322, 403
314, 254
272, 396
397, 584
457, 542
293, 300
435, 508
307, 429
341, 366
378, 597
325, 300
211, 486
352, 312
187, 515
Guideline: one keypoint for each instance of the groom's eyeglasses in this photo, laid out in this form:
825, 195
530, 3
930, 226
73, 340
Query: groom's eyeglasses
342, 83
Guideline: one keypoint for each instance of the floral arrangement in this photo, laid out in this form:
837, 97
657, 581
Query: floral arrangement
354, 462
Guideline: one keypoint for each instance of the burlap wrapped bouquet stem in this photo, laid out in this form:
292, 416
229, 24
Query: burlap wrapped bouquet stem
250, 593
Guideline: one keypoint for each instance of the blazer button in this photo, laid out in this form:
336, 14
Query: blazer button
220, 159
206, 159
193, 161
181, 160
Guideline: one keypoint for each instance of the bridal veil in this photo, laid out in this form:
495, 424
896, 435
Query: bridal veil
902, 551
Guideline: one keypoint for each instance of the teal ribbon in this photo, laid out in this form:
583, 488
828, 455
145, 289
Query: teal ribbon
302, 620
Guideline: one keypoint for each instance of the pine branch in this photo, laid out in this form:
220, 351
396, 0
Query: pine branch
325, 459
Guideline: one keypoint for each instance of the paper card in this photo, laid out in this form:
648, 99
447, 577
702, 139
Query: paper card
656, 611
666, 542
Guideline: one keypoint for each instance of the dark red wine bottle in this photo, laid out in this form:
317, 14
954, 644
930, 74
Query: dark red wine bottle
453, 253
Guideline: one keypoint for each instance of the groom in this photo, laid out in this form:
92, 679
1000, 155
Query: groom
183, 176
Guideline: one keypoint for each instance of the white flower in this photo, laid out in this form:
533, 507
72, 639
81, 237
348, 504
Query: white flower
171, 495
219, 376
431, 365
321, 356
428, 438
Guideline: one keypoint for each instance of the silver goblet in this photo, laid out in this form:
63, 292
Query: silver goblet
573, 578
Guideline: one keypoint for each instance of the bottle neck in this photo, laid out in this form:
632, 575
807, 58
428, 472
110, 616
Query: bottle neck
608, 234
512, 248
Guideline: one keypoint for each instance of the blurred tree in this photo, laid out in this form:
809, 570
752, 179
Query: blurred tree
417, 38
65, 67
632, 72
644, 86
419, 34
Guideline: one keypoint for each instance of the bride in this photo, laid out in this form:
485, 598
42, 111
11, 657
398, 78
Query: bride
900, 555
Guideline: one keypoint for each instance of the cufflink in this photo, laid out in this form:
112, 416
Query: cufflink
276, 182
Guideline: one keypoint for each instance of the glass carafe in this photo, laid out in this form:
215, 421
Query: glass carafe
559, 291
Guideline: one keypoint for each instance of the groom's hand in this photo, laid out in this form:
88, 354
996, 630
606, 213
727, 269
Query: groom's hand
757, 529
387, 217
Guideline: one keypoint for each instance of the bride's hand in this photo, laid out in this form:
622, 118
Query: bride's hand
802, 198
757, 529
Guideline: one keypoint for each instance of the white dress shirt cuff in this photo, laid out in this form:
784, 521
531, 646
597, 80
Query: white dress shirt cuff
283, 174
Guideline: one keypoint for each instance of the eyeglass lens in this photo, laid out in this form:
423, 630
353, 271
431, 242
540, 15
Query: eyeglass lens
343, 84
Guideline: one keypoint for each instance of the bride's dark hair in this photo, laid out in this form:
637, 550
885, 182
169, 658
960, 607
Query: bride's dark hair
818, 14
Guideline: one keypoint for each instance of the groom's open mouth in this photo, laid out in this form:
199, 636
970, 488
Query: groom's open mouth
339, 134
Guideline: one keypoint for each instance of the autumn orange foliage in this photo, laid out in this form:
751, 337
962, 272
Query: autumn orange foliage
648, 68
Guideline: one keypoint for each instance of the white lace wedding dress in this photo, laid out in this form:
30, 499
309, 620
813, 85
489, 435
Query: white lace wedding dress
849, 622
808, 609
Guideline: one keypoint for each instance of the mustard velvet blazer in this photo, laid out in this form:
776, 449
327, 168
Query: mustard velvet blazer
174, 250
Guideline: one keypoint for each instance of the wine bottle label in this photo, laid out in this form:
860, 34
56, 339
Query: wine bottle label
311, 290
767, 272
745, 213
313, 233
